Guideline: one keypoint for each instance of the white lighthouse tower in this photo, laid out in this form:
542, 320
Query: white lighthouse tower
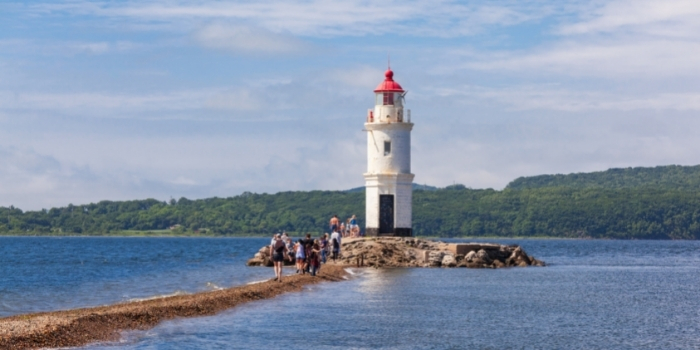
388, 180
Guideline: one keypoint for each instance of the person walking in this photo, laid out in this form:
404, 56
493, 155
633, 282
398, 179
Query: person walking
314, 259
277, 251
308, 243
323, 245
300, 256
335, 245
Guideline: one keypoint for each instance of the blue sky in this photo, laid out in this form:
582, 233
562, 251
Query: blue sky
157, 99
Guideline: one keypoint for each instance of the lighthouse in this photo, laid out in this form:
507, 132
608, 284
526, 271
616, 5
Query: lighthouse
388, 180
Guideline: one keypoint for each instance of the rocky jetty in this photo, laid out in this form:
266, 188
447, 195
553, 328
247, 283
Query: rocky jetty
79, 327
414, 252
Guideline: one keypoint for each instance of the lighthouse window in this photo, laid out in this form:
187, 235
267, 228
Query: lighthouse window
387, 148
388, 98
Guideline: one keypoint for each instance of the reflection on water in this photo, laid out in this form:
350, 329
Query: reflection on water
381, 281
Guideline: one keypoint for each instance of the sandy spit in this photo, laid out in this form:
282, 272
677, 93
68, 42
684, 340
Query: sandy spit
83, 326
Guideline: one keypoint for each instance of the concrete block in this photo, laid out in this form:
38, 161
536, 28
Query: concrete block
464, 248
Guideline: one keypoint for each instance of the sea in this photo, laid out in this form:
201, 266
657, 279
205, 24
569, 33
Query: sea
593, 294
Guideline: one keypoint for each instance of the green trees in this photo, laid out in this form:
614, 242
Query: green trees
634, 203
667, 177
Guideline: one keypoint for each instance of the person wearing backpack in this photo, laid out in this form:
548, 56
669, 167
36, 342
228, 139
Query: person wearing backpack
277, 251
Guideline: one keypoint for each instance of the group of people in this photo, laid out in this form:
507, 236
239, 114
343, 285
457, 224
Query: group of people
349, 228
307, 253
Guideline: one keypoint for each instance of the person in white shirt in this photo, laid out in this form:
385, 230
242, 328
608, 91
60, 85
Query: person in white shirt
335, 244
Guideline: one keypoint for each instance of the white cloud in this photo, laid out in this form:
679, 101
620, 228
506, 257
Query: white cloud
557, 98
490, 152
364, 77
25, 173
63, 47
248, 40
116, 105
612, 40
235, 99
604, 87
181, 180
322, 18
618, 59
675, 18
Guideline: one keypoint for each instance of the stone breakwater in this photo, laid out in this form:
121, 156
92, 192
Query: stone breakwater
414, 252
83, 326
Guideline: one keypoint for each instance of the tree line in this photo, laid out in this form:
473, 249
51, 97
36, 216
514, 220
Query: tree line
632, 203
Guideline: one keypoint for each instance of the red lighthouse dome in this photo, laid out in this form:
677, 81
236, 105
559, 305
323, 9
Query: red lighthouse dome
389, 85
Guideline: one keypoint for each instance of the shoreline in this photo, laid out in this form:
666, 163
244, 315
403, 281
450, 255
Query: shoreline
2, 235
78, 327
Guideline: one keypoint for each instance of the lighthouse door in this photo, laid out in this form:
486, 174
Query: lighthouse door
386, 214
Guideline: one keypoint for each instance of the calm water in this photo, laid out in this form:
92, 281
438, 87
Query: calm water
594, 295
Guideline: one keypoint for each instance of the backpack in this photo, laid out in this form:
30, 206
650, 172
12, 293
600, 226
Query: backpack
279, 246
336, 245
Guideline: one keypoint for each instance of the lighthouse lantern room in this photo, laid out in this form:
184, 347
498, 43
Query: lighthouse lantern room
388, 180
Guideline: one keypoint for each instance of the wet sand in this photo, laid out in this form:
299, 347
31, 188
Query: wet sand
83, 326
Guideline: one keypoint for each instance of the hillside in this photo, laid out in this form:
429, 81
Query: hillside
611, 204
668, 177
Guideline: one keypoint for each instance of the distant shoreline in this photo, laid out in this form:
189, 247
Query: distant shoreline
158, 235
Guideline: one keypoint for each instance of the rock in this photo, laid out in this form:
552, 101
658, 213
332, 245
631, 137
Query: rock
483, 256
254, 262
435, 257
515, 254
381, 252
449, 261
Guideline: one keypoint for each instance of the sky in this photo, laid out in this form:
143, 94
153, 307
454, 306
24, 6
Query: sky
118, 100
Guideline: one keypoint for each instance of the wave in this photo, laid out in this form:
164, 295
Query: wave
160, 296
256, 282
213, 286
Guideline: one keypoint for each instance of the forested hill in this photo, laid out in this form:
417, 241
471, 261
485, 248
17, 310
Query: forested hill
670, 177
625, 211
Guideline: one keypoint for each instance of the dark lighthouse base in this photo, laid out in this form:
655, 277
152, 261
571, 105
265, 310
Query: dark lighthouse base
397, 232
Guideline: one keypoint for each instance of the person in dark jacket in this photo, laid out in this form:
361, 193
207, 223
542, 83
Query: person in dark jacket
308, 244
